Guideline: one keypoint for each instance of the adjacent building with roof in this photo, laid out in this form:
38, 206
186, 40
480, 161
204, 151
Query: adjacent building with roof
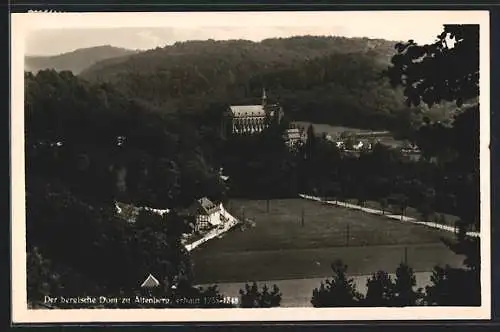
293, 137
205, 213
251, 119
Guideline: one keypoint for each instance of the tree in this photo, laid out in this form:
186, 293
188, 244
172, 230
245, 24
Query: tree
404, 287
464, 139
453, 287
384, 203
94, 234
251, 297
332, 190
340, 291
434, 140
427, 201
447, 69
187, 296
310, 146
380, 290
362, 198
400, 200
384, 291
41, 279
162, 79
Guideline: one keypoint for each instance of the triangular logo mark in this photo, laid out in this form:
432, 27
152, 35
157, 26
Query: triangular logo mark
150, 282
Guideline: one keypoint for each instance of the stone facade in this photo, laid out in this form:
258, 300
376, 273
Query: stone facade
251, 119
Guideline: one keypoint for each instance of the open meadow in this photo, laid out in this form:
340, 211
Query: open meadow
277, 245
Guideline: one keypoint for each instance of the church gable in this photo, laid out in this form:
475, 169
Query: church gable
250, 119
247, 111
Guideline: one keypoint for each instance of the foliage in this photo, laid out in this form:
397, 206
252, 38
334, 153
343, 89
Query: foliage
155, 152
336, 81
383, 204
454, 287
427, 206
186, 296
404, 287
113, 253
41, 279
80, 139
401, 201
448, 70
380, 290
340, 291
252, 297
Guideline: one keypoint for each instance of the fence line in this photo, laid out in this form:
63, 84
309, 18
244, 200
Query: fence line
391, 216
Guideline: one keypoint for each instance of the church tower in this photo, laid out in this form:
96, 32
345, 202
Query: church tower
264, 98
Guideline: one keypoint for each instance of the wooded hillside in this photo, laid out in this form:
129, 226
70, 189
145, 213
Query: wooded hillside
75, 61
332, 80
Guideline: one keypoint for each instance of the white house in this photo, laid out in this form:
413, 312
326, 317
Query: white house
294, 136
340, 144
206, 214
222, 176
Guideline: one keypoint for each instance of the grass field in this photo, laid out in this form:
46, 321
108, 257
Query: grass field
279, 247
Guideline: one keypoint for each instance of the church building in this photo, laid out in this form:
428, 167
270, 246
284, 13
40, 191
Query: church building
251, 119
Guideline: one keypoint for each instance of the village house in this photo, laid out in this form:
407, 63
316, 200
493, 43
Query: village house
294, 137
205, 213
202, 213
251, 119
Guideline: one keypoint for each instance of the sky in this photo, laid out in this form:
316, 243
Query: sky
146, 32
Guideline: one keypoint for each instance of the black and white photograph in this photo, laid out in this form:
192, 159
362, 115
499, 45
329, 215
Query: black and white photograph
190, 166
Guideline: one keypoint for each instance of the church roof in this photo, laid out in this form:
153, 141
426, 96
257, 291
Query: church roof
202, 206
293, 133
248, 110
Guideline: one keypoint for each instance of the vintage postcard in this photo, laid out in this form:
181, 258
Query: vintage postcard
250, 166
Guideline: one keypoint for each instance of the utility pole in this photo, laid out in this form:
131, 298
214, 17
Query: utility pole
347, 235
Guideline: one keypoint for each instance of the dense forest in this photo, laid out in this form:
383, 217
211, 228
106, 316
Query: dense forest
78, 139
331, 80
146, 130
